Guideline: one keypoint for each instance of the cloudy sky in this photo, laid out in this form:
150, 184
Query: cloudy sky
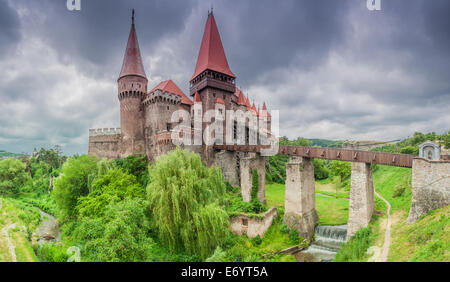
333, 69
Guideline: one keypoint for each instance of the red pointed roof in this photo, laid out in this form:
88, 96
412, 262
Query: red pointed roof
212, 55
241, 98
264, 111
132, 61
197, 98
254, 108
171, 87
220, 101
247, 104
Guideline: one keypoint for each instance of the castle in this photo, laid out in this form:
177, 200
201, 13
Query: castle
146, 124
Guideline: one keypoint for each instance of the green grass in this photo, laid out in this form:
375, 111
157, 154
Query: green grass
26, 218
426, 240
388, 179
331, 210
275, 195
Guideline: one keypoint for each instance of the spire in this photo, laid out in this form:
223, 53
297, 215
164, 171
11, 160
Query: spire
132, 61
212, 55
264, 112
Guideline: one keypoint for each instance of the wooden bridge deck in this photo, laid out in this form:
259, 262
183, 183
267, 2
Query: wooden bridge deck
401, 160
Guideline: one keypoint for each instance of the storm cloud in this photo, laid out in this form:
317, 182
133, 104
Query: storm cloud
333, 69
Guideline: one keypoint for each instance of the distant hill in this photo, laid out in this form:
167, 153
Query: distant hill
6, 155
326, 143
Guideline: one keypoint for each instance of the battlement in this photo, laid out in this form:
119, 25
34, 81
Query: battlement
104, 131
164, 137
160, 96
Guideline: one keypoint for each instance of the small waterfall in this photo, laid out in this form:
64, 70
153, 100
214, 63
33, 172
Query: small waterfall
328, 241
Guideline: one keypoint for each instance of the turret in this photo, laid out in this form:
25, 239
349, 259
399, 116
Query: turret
132, 88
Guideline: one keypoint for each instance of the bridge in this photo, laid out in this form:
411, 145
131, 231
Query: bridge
402, 160
430, 181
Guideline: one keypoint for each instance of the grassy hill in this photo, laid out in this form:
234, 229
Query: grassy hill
426, 240
17, 223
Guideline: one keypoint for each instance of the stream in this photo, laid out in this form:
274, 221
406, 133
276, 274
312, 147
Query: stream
328, 241
49, 230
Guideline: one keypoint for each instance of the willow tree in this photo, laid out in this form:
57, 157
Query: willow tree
186, 200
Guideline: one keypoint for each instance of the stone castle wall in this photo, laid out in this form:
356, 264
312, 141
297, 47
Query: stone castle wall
430, 187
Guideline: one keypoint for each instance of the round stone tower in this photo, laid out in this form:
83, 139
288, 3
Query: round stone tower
132, 89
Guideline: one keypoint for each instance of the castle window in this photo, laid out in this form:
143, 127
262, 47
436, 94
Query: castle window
167, 107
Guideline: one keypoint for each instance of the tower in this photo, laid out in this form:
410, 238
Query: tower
212, 77
132, 88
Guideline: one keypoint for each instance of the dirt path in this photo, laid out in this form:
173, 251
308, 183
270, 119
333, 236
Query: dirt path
383, 254
9, 242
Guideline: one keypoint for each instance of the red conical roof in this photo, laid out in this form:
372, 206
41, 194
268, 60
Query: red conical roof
220, 101
197, 98
212, 55
132, 61
171, 87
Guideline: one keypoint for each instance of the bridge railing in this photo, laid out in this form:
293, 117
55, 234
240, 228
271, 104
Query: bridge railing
401, 160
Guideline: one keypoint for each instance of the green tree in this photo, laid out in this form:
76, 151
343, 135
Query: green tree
185, 200
73, 183
135, 165
341, 169
121, 235
114, 186
12, 175
413, 150
320, 171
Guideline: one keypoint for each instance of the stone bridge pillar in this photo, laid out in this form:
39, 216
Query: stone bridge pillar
246, 166
227, 161
430, 187
246, 179
361, 198
300, 211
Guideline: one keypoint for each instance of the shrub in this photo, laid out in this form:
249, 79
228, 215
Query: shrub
119, 236
256, 241
284, 229
49, 252
320, 171
398, 191
114, 186
355, 249
293, 236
